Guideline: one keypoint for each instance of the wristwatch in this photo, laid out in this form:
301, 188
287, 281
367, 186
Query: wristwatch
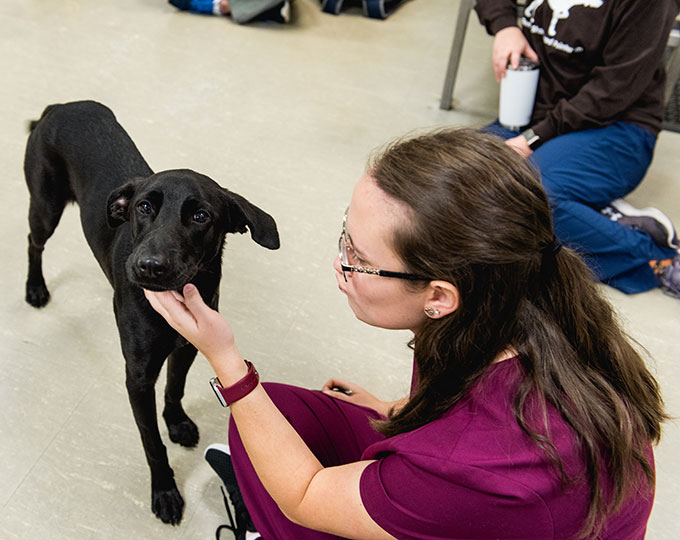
239, 390
531, 138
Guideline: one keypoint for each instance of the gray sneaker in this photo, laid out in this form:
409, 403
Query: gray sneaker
669, 277
649, 220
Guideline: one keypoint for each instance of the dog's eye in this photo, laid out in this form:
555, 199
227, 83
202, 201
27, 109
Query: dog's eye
201, 216
145, 207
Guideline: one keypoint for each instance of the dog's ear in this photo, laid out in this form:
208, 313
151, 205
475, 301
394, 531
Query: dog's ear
240, 215
118, 203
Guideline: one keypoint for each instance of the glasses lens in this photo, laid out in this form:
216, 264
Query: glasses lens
342, 248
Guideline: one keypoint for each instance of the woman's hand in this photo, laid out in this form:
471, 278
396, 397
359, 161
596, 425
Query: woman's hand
204, 327
357, 395
510, 43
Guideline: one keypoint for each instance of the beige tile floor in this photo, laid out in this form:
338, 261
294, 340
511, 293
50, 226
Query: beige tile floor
285, 116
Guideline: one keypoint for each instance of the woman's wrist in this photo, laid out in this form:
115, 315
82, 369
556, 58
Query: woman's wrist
508, 20
228, 365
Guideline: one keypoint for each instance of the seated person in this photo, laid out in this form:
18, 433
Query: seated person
599, 107
241, 11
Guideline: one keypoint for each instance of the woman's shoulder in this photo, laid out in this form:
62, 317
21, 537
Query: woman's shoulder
486, 408
481, 431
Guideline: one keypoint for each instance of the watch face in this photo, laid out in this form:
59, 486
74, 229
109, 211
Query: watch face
530, 137
216, 386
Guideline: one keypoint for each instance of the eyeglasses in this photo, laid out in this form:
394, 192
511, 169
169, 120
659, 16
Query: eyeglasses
346, 250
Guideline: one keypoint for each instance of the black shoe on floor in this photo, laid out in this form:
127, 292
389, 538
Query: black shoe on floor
218, 457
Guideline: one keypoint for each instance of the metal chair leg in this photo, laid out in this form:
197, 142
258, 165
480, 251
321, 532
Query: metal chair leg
673, 61
456, 50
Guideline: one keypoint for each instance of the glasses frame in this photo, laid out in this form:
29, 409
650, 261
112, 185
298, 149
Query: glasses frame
348, 268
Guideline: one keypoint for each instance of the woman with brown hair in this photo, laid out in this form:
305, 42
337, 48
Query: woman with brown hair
530, 414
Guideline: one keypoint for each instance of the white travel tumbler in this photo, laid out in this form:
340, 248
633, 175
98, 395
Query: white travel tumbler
517, 95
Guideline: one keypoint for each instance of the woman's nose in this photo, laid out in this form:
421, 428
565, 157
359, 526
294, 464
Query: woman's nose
336, 264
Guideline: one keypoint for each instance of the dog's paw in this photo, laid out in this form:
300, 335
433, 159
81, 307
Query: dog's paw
168, 505
37, 295
184, 433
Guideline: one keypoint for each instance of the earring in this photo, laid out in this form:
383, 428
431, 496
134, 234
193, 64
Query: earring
431, 312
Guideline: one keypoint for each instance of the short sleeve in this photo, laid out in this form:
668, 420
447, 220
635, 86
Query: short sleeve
412, 497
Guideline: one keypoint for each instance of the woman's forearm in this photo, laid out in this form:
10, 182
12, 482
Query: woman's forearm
281, 459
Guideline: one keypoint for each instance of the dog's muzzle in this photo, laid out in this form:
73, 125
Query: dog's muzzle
156, 273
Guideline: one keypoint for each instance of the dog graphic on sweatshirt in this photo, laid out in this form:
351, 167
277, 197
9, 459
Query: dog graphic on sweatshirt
560, 10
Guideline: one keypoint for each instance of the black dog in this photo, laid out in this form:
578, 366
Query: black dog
155, 231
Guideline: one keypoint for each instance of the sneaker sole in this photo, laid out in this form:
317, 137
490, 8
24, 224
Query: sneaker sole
670, 292
218, 446
626, 209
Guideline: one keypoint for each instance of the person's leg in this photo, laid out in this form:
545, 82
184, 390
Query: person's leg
241, 11
245, 11
581, 173
206, 7
336, 432
495, 128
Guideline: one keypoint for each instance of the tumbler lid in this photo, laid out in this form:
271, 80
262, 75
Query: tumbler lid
524, 65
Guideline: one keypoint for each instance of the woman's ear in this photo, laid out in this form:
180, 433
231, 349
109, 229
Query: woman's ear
441, 299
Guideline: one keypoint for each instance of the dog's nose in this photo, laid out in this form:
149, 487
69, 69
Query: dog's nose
151, 267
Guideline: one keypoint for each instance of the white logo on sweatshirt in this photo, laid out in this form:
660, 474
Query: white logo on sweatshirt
560, 10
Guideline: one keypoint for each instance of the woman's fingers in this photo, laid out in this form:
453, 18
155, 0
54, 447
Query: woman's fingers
343, 389
194, 303
514, 59
172, 309
338, 383
337, 393
156, 304
530, 53
177, 296
499, 66
510, 44
204, 327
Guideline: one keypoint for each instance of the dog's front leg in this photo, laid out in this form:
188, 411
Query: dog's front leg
181, 428
166, 500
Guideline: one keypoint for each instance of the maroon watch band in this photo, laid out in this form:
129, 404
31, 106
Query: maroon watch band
239, 390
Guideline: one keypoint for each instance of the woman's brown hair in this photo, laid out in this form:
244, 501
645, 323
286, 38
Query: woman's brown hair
481, 221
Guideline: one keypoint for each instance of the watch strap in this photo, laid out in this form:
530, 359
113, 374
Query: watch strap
531, 138
239, 390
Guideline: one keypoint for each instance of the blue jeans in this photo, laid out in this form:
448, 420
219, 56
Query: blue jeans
581, 173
